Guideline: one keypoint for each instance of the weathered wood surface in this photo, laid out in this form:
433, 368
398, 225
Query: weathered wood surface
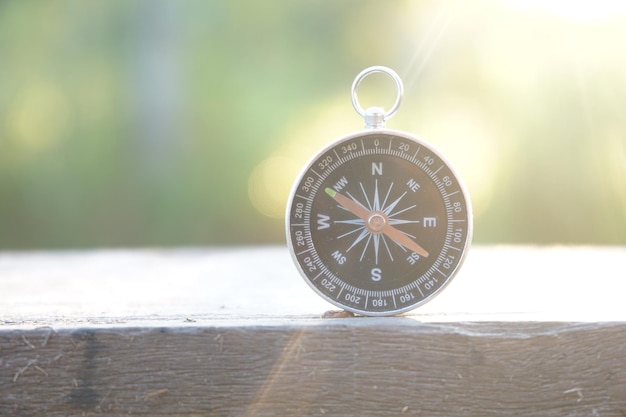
121, 287
521, 331
358, 367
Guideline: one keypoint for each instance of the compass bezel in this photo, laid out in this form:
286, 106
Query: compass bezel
311, 268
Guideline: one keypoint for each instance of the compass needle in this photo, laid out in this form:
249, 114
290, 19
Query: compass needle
404, 240
349, 204
378, 222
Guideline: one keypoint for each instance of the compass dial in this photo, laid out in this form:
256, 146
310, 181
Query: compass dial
378, 222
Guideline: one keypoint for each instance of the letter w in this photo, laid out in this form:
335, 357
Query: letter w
322, 221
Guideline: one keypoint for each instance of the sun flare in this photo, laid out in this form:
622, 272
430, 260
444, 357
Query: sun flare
576, 10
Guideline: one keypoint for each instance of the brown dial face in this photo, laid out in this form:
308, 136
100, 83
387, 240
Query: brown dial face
378, 222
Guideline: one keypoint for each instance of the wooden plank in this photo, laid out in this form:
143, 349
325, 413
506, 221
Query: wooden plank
375, 367
236, 332
120, 286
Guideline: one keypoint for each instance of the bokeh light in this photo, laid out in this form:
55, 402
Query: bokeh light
40, 117
158, 122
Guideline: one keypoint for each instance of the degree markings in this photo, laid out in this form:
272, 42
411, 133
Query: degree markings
317, 276
419, 288
340, 291
438, 270
315, 172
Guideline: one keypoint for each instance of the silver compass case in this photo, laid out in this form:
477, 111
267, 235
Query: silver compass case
378, 222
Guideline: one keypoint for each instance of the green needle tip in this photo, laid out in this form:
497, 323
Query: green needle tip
330, 192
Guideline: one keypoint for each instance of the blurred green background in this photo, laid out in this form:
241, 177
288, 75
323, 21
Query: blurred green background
161, 123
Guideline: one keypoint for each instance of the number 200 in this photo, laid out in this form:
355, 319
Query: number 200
353, 298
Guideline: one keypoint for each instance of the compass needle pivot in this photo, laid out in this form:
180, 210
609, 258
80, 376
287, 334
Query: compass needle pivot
397, 225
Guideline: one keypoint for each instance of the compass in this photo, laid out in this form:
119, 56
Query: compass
378, 222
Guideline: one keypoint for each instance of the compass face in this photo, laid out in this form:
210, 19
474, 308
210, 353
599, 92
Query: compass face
378, 222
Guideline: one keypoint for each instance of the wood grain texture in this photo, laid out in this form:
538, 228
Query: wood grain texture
359, 366
521, 331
